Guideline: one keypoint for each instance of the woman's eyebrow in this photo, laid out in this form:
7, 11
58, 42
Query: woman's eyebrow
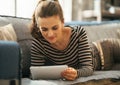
55, 26
44, 28
47, 28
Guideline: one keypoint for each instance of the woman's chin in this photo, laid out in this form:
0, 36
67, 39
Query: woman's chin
52, 42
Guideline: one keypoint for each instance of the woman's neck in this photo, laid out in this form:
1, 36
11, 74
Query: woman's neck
64, 41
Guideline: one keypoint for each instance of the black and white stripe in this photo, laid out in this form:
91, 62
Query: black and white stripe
77, 54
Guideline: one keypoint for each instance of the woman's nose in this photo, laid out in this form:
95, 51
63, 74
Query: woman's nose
50, 33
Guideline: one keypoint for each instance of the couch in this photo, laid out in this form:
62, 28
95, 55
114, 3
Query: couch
95, 31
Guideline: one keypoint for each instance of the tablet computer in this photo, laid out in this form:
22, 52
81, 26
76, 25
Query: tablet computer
47, 72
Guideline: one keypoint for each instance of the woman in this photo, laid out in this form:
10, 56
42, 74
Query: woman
56, 44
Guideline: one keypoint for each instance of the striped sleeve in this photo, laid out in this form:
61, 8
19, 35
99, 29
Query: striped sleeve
85, 57
37, 55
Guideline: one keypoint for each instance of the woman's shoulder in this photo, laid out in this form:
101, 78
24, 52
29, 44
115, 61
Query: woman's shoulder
36, 41
77, 28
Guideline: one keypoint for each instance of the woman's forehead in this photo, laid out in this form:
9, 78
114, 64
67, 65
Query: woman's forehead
49, 21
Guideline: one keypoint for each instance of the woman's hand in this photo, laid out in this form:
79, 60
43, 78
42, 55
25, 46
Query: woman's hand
69, 74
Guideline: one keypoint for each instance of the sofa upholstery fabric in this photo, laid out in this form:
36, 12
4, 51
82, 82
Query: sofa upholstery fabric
95, 31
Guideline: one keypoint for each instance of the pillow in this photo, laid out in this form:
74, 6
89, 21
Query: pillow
7, 32
105, 47
116, 50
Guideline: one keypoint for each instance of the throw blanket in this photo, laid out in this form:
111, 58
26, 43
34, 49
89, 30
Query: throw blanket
96, 76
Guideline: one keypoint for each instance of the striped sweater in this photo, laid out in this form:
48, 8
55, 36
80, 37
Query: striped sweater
77, 54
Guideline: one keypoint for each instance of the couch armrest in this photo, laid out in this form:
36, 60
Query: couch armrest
10, 68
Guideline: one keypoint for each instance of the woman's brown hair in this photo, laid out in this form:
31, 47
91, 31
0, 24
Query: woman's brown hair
45, 8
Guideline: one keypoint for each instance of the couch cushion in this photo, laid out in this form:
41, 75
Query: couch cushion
7, 32
97, 75
25, 46
107, 49
3, 21
102, 31
99, 30
110, 49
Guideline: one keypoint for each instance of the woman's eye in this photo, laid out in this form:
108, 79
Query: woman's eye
44, 29
54, 28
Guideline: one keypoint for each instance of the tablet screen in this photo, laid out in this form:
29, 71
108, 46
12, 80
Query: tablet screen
47, 72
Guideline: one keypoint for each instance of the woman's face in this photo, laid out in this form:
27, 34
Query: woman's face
51, 28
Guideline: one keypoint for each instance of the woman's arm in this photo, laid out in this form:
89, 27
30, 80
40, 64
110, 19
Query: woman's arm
85, 56
37, 55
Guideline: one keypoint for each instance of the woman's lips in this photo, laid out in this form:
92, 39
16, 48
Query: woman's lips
51, 38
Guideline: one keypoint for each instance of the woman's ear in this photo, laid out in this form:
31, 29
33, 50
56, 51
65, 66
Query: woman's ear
62, 20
